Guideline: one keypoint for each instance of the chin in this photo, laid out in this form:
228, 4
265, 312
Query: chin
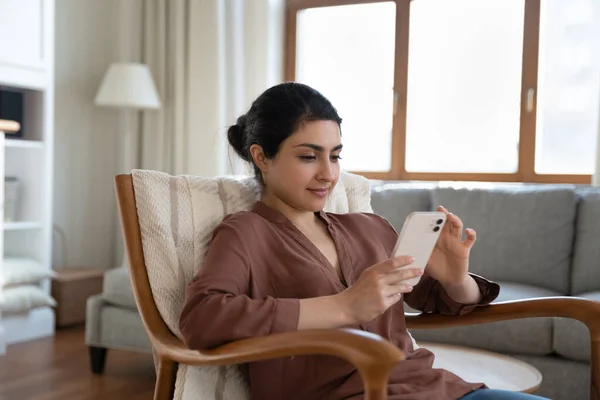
315, 205
306, 201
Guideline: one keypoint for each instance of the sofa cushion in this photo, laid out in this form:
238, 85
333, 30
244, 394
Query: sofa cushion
531, 336
116, 288
571, 337
524, 233
394, 202
586, 256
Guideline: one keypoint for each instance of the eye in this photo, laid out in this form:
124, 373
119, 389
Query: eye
336, 158
307, 158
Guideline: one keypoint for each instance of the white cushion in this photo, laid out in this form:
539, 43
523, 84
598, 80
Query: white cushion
18, 271
177, 215
19, 299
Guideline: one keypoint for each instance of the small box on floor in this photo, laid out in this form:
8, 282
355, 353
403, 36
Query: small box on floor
71, 288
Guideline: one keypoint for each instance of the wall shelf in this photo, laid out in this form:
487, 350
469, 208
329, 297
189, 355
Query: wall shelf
22, 225
24, 144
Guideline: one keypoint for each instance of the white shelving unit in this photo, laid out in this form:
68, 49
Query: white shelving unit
22, 225
27, 66
24, 144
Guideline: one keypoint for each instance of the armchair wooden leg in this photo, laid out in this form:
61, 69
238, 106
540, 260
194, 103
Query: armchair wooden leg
165, 380
97, 359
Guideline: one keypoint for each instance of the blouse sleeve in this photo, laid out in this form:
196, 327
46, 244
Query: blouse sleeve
217, 306
429, 296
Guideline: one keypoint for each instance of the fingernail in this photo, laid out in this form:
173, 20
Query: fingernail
421, 272
410, 259
410, 288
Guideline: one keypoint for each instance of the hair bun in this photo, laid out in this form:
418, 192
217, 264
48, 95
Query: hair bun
237, 137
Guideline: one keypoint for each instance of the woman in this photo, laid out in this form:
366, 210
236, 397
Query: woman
287, 265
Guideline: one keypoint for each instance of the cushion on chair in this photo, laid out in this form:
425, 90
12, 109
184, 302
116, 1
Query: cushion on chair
177, 215
116, 288
535, 334
571, 337
525, 234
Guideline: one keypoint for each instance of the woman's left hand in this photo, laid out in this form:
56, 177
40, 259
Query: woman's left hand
449, 262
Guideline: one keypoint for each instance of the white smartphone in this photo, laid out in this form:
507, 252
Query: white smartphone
418, 237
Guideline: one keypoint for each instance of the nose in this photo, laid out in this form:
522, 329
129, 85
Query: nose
327, 172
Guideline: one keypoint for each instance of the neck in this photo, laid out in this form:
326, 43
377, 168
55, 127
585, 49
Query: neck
300, 218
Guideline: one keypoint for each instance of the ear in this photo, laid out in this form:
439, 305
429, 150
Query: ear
259, 158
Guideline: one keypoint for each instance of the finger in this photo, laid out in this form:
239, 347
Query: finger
471, 237
390, 265
397, 290
456, 225
401, 275
448, 225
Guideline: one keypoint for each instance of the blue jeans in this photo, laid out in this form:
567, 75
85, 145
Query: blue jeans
492, 394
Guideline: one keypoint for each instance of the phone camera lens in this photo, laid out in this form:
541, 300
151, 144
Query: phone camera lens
439, 221
437, 228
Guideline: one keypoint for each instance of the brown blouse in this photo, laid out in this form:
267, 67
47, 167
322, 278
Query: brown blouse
258, 266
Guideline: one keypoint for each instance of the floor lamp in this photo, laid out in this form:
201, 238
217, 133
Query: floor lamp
128, 87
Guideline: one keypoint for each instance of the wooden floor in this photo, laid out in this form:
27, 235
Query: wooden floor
58, 369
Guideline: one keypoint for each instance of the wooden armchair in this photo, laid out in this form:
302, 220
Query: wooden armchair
369, 353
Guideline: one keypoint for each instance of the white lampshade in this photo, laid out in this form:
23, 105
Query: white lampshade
128, 85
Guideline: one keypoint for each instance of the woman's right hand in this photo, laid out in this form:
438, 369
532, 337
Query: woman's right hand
378, 288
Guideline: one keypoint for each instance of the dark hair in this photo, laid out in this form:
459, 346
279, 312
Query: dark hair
275, 115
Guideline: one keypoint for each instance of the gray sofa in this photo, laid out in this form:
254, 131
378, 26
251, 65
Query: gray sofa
535, 240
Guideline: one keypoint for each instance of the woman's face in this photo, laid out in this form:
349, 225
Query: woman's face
307, 167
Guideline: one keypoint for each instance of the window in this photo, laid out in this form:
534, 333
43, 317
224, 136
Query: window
489, 90
354, 68
568, 87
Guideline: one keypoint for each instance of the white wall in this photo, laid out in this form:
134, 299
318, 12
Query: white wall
86, 136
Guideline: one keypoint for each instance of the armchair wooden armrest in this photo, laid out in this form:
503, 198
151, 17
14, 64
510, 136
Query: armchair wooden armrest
584, 310
362, 349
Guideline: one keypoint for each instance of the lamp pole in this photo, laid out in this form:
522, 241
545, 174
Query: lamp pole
128, 87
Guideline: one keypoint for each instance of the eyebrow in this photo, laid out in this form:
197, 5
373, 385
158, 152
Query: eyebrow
319, 148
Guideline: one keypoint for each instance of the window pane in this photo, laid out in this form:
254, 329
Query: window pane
568, 87
347, 53
464, 85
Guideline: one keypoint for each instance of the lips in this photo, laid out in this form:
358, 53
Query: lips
319, 192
